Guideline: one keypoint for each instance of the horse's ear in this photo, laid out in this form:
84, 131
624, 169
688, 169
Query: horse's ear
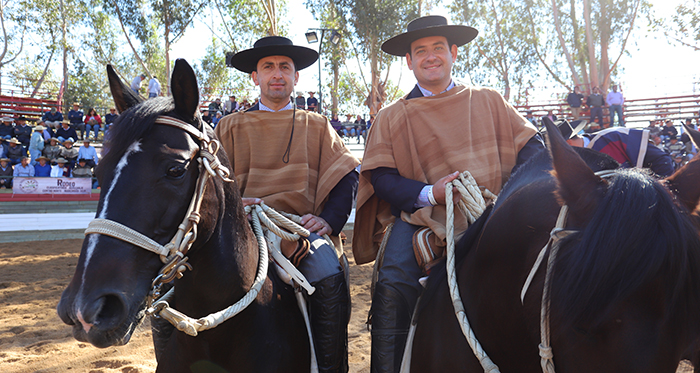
184, 88
685, 184
124, 97
579, 187
694, 135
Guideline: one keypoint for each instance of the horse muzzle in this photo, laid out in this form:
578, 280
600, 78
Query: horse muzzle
103, 322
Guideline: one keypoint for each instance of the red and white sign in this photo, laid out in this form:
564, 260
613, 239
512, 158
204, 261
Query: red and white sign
51, 185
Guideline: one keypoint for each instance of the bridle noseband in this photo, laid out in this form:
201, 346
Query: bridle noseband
173, 254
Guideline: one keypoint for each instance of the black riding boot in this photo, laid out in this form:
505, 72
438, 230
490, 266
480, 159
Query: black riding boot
391, 318
328, 309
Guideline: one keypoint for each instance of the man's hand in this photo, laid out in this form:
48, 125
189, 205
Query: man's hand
439, 189
251, 201
316, 224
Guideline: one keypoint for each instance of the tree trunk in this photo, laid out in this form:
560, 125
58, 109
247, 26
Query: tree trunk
374, 105
562, 42
166, 16
43, 75
604, 44
593, 64
583, 68
128, 39
334, 88
64, 45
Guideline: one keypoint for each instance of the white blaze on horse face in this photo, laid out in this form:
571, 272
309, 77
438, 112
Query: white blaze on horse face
134, 148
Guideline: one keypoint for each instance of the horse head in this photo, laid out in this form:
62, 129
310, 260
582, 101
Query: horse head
625, 286
148, 177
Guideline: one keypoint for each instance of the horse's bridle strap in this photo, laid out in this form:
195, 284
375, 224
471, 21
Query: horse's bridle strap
122, 232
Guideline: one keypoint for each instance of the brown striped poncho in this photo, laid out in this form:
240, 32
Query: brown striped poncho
318, 158
464, 129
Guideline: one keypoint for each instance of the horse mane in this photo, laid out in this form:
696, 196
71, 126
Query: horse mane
538, 167
132, 125
637, 236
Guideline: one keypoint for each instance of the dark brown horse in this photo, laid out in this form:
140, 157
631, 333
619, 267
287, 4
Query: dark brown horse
148, 177
625, 294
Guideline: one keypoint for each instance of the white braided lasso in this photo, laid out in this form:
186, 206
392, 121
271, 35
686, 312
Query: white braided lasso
192, 326
472, 204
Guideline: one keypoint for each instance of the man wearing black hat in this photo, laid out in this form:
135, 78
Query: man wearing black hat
630, 147
23, 132
417, 145
294, 161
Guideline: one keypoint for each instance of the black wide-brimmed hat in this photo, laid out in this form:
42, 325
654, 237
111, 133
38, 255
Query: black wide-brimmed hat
426, 26
247, 60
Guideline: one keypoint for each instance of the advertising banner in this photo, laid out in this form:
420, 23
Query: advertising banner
51, 185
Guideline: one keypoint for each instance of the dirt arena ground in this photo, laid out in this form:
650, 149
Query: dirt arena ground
33, 338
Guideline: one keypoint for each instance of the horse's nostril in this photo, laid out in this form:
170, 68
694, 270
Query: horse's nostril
113, 311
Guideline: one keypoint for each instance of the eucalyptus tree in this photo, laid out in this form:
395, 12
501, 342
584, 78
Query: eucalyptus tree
367, 24
685, 27
13, 21
590, 37
149, 20
501, 55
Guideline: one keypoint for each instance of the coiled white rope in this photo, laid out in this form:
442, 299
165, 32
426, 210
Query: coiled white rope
472, 204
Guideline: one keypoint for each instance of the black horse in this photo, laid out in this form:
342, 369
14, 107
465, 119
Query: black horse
625, 287
148, 177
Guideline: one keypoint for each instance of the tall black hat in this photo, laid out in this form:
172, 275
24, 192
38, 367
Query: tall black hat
247, 60
426, 26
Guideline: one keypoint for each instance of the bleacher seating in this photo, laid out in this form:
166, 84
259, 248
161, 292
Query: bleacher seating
32, 108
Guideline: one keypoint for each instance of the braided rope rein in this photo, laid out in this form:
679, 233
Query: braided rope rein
472, 204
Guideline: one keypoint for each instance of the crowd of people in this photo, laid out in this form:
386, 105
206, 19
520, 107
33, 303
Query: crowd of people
47, 148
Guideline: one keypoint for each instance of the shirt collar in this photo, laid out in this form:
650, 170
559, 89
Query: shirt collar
262, 107
427, 93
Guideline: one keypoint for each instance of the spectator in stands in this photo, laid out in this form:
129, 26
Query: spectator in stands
674, 147
52, 118
92, 121
551, 116
668, 130
230, 106
5, 173
36, 143
136, 83
531, 118
23, 169
66, 132
206, 116
83, 169
61, 169
75, 117
312, 102
52, 149
245, 105
628, 146
69, 153
215, 106
15, 151
335, 122
3, 148
47, 133
360, 125
615, 100
42, 168
89, 153
216, 119
653, 129
595, 102
656, 139
153, 87
575, 99
7, 129
109, 119
23, 132
300, 101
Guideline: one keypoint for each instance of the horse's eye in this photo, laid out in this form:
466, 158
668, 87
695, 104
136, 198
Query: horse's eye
177, 171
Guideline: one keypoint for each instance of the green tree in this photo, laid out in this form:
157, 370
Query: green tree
685, 27
367, 24
502, 44
13, 21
